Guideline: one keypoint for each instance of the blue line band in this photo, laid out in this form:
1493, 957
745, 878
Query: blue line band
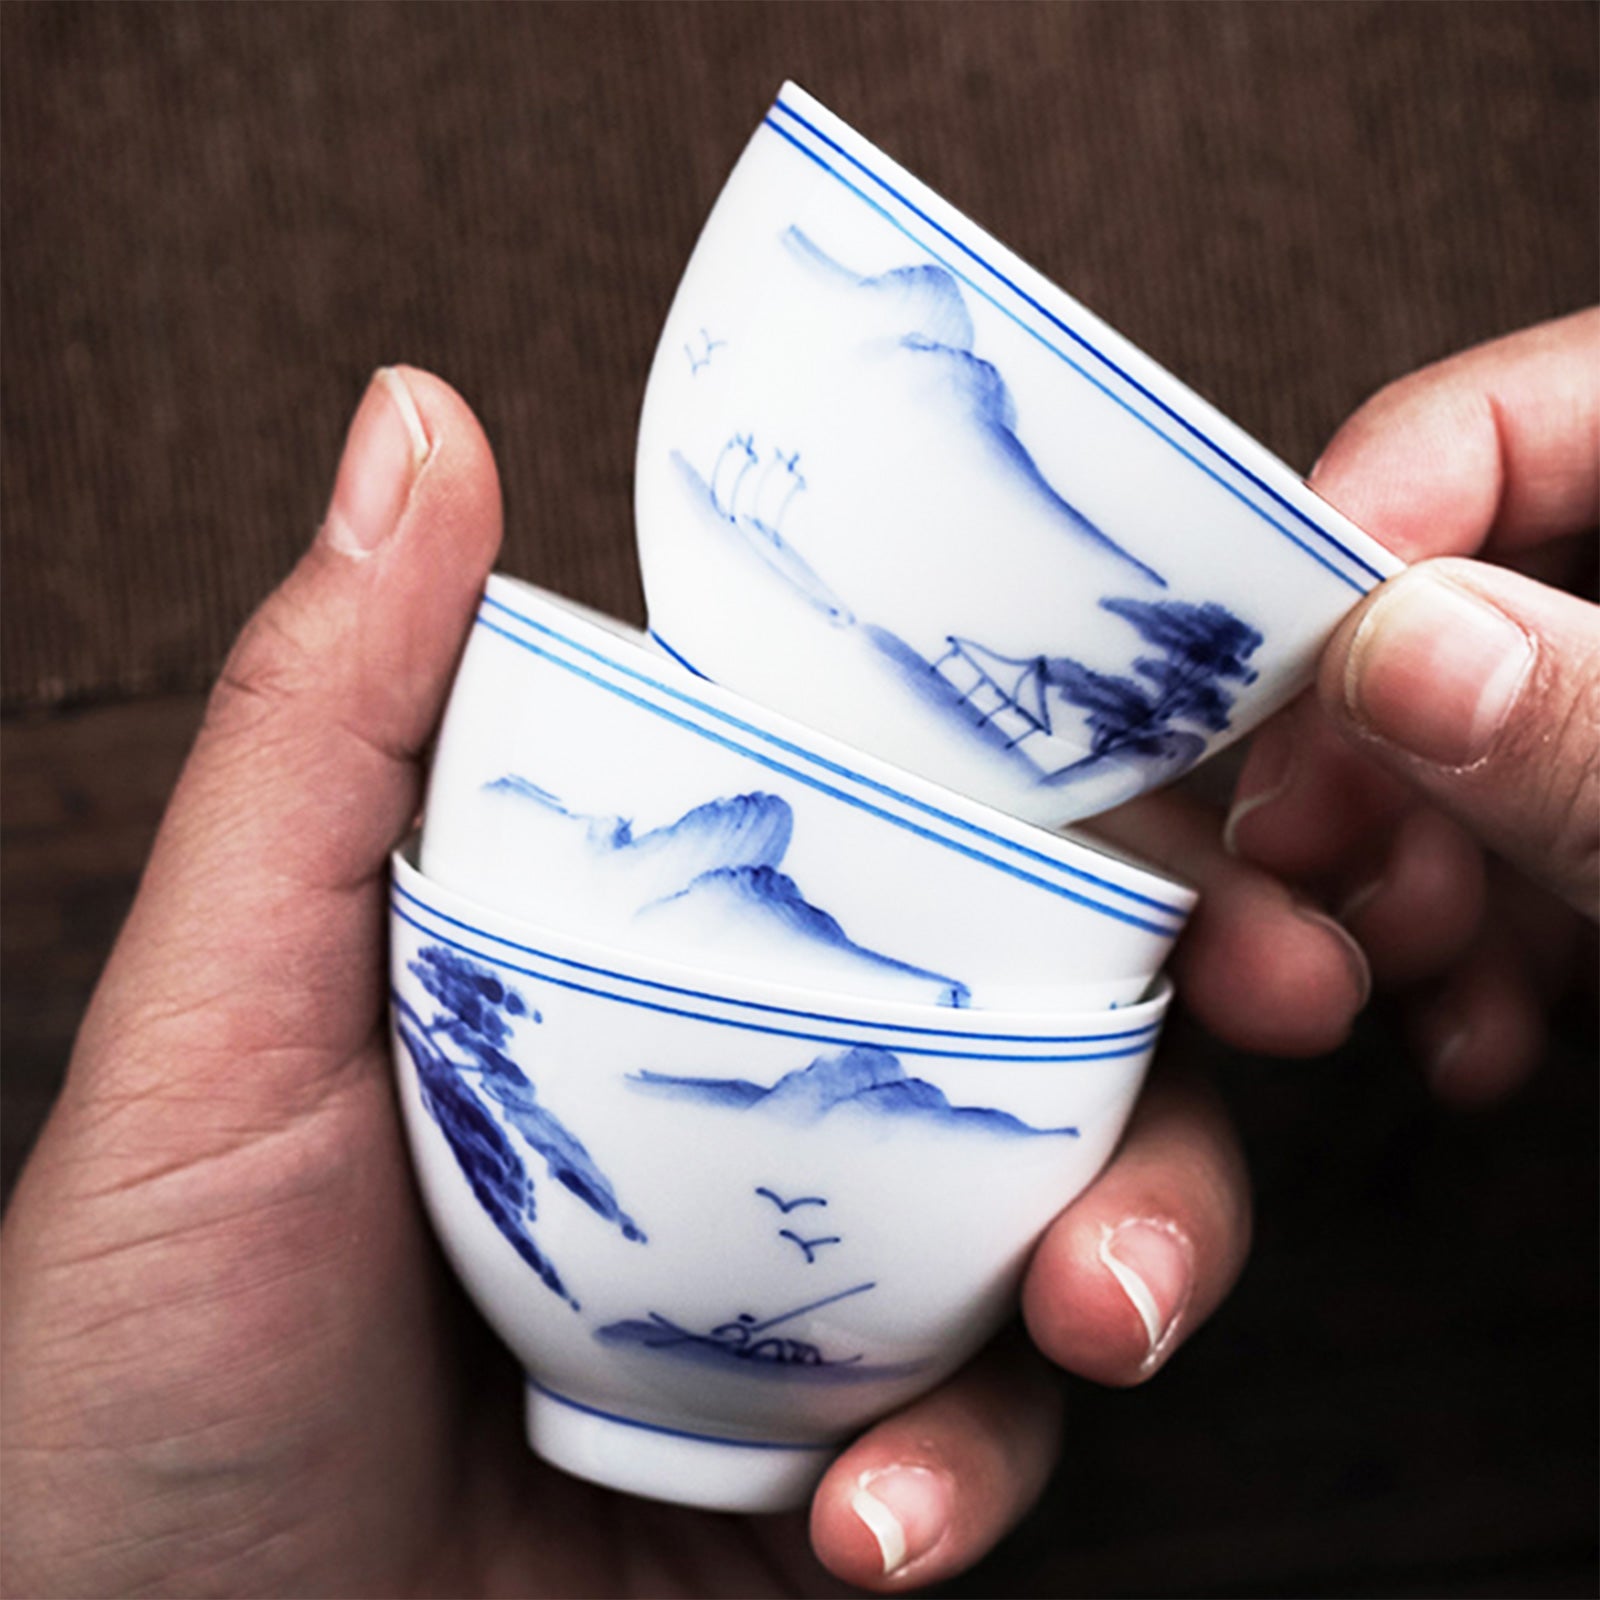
852, 1033
838, 794
670, 1433
829, 766
683, 661
1079, 339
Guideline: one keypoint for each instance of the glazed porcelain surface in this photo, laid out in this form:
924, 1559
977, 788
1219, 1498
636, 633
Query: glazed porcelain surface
722, 1224
893, 482
584, 782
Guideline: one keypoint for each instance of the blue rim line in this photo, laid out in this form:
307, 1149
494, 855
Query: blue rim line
844, 772
801, 753
1087, 376
853, 1030
1079, 339
671, 1433
683, 661
1139, 1033
838, 794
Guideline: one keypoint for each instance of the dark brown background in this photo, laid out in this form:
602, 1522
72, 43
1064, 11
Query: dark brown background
218, 219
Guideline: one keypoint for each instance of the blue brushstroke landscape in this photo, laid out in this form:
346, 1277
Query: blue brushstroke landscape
752, 1346
1058, 718
863, 1079
463, 1069
1018, 703
923, 307
712, 877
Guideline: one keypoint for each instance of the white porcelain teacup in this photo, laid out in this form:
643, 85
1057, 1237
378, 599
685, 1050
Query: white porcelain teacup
893, 482
584, 782
724, 1224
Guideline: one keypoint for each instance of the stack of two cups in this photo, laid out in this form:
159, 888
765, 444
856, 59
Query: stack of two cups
752, 1018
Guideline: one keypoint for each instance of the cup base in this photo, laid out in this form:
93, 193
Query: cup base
644, 1458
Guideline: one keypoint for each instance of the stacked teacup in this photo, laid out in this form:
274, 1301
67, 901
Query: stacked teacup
753, 1017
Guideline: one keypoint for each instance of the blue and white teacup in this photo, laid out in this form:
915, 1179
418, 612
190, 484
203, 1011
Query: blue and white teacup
724, 1225
585, 782
893, 482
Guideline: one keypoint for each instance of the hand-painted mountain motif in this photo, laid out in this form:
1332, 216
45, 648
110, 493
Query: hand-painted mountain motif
921, 309
862, 1080
907, 335
750, 1345
711, 880
463, 1070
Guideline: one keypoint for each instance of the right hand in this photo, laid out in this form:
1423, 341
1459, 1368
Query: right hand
1458, 706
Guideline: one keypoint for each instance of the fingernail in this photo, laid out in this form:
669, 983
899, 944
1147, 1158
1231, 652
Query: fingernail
386, 446
1153, 1263
1435, 669
906, 1510
1360, 967
1266, 775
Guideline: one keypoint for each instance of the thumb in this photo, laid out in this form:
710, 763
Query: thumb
258, 930
1482, 687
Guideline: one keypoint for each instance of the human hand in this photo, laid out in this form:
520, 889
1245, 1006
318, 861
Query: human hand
233, 1359
1459, 705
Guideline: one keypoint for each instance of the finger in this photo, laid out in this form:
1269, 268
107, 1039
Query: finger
1262, 970
1141, 1259
1482, 688
1493, 447
257, 925
931, 1489
1482, 1032
1309, 807
1417, 914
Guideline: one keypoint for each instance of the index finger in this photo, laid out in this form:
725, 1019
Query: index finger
1494, 450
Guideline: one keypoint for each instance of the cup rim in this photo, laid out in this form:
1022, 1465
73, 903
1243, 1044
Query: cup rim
1066, 864
1097, 350
548, 954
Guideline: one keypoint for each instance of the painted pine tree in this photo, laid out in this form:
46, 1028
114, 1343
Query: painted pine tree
1202, 649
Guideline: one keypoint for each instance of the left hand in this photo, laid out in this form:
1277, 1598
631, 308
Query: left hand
233, 1359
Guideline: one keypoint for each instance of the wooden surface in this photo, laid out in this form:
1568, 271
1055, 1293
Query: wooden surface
1400, 1398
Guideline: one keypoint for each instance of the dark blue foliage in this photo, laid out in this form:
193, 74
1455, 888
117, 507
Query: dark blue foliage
475, 1019
492, 1168
1203, 645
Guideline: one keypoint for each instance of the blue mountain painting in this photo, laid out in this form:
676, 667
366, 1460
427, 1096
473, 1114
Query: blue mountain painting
714, 873
462, 1069
924, 306
863, 1079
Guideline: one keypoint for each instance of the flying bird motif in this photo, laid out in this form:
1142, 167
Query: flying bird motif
786, 1206
809, 1246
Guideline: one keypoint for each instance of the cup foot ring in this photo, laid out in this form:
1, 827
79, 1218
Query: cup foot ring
661, 1463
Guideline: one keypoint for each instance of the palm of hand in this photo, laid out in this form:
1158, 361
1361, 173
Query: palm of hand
355, 1431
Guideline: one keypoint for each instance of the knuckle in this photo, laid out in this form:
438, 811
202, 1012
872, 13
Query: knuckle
262, 674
